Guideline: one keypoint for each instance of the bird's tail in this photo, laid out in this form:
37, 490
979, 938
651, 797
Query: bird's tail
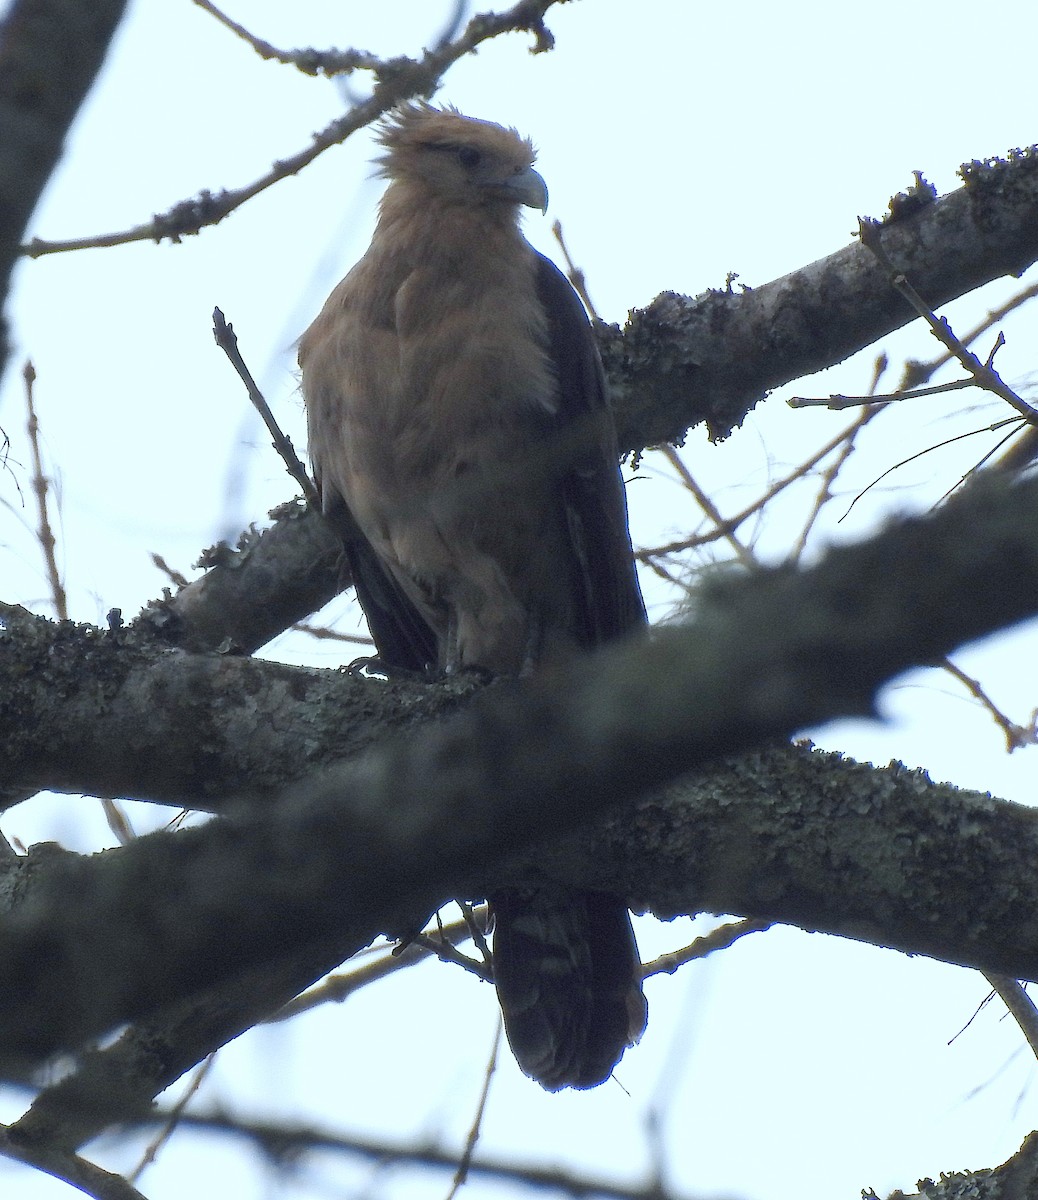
568, 978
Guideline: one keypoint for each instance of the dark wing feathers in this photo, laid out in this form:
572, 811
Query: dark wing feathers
596, 508
402, 637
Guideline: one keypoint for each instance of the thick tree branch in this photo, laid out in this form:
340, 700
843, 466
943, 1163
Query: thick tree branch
679, 362
118, 1083
96, 713
86, 711
1015, 1179
371, 846
252, 593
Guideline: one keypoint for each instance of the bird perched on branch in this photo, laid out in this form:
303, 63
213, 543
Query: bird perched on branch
462, 445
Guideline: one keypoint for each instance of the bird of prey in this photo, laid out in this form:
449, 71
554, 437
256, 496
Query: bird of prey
463, 447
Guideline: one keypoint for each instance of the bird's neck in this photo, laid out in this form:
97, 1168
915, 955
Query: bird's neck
413, 220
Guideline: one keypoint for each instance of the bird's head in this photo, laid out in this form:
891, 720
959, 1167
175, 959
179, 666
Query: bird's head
460, 158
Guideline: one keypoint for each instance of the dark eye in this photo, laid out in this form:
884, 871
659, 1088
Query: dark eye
468, 157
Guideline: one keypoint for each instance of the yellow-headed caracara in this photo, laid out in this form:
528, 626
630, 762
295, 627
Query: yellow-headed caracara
461, 442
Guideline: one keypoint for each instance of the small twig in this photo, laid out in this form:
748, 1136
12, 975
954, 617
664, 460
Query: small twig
323, 633
337, 988
1021, 453
983, 372
225, 337
41, 488
309, 61
837, 402
174, 1116
1017, 736
916, 372
648, 555
118, 821
990, 454
445, 952
5, 453
973, 1016
575, 275
1020, 1005
651, 559
831, 473
717, 939
992, 428
476, 929
744, 554
465, 1162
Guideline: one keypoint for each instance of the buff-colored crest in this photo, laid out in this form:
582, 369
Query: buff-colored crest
420, 125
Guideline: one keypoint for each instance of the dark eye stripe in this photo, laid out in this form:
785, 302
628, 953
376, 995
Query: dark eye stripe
468, 156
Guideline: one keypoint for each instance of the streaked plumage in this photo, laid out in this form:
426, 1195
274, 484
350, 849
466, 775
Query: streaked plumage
461, 442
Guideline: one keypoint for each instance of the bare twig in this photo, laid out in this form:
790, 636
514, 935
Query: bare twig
41, 488
225, 337
837, 401
1017, 424
337, 988
648, 555
916, 372
475, 921
831, 473
445, 952
575, 275
742, 552
1021, 1006
309, 61
973, 1016
983, 372
992, 428
396, 80
465, 1162
323, 633
175, 1113
1023, 450
717, 939
1017, 736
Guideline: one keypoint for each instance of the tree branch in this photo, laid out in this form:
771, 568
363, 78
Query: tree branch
280, 1139
680, 362
85, 1176
98, 712
372, 846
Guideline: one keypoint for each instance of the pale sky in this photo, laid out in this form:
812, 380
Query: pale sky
680, 141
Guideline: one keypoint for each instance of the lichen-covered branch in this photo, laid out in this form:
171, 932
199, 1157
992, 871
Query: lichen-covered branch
681, 361
372, 845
